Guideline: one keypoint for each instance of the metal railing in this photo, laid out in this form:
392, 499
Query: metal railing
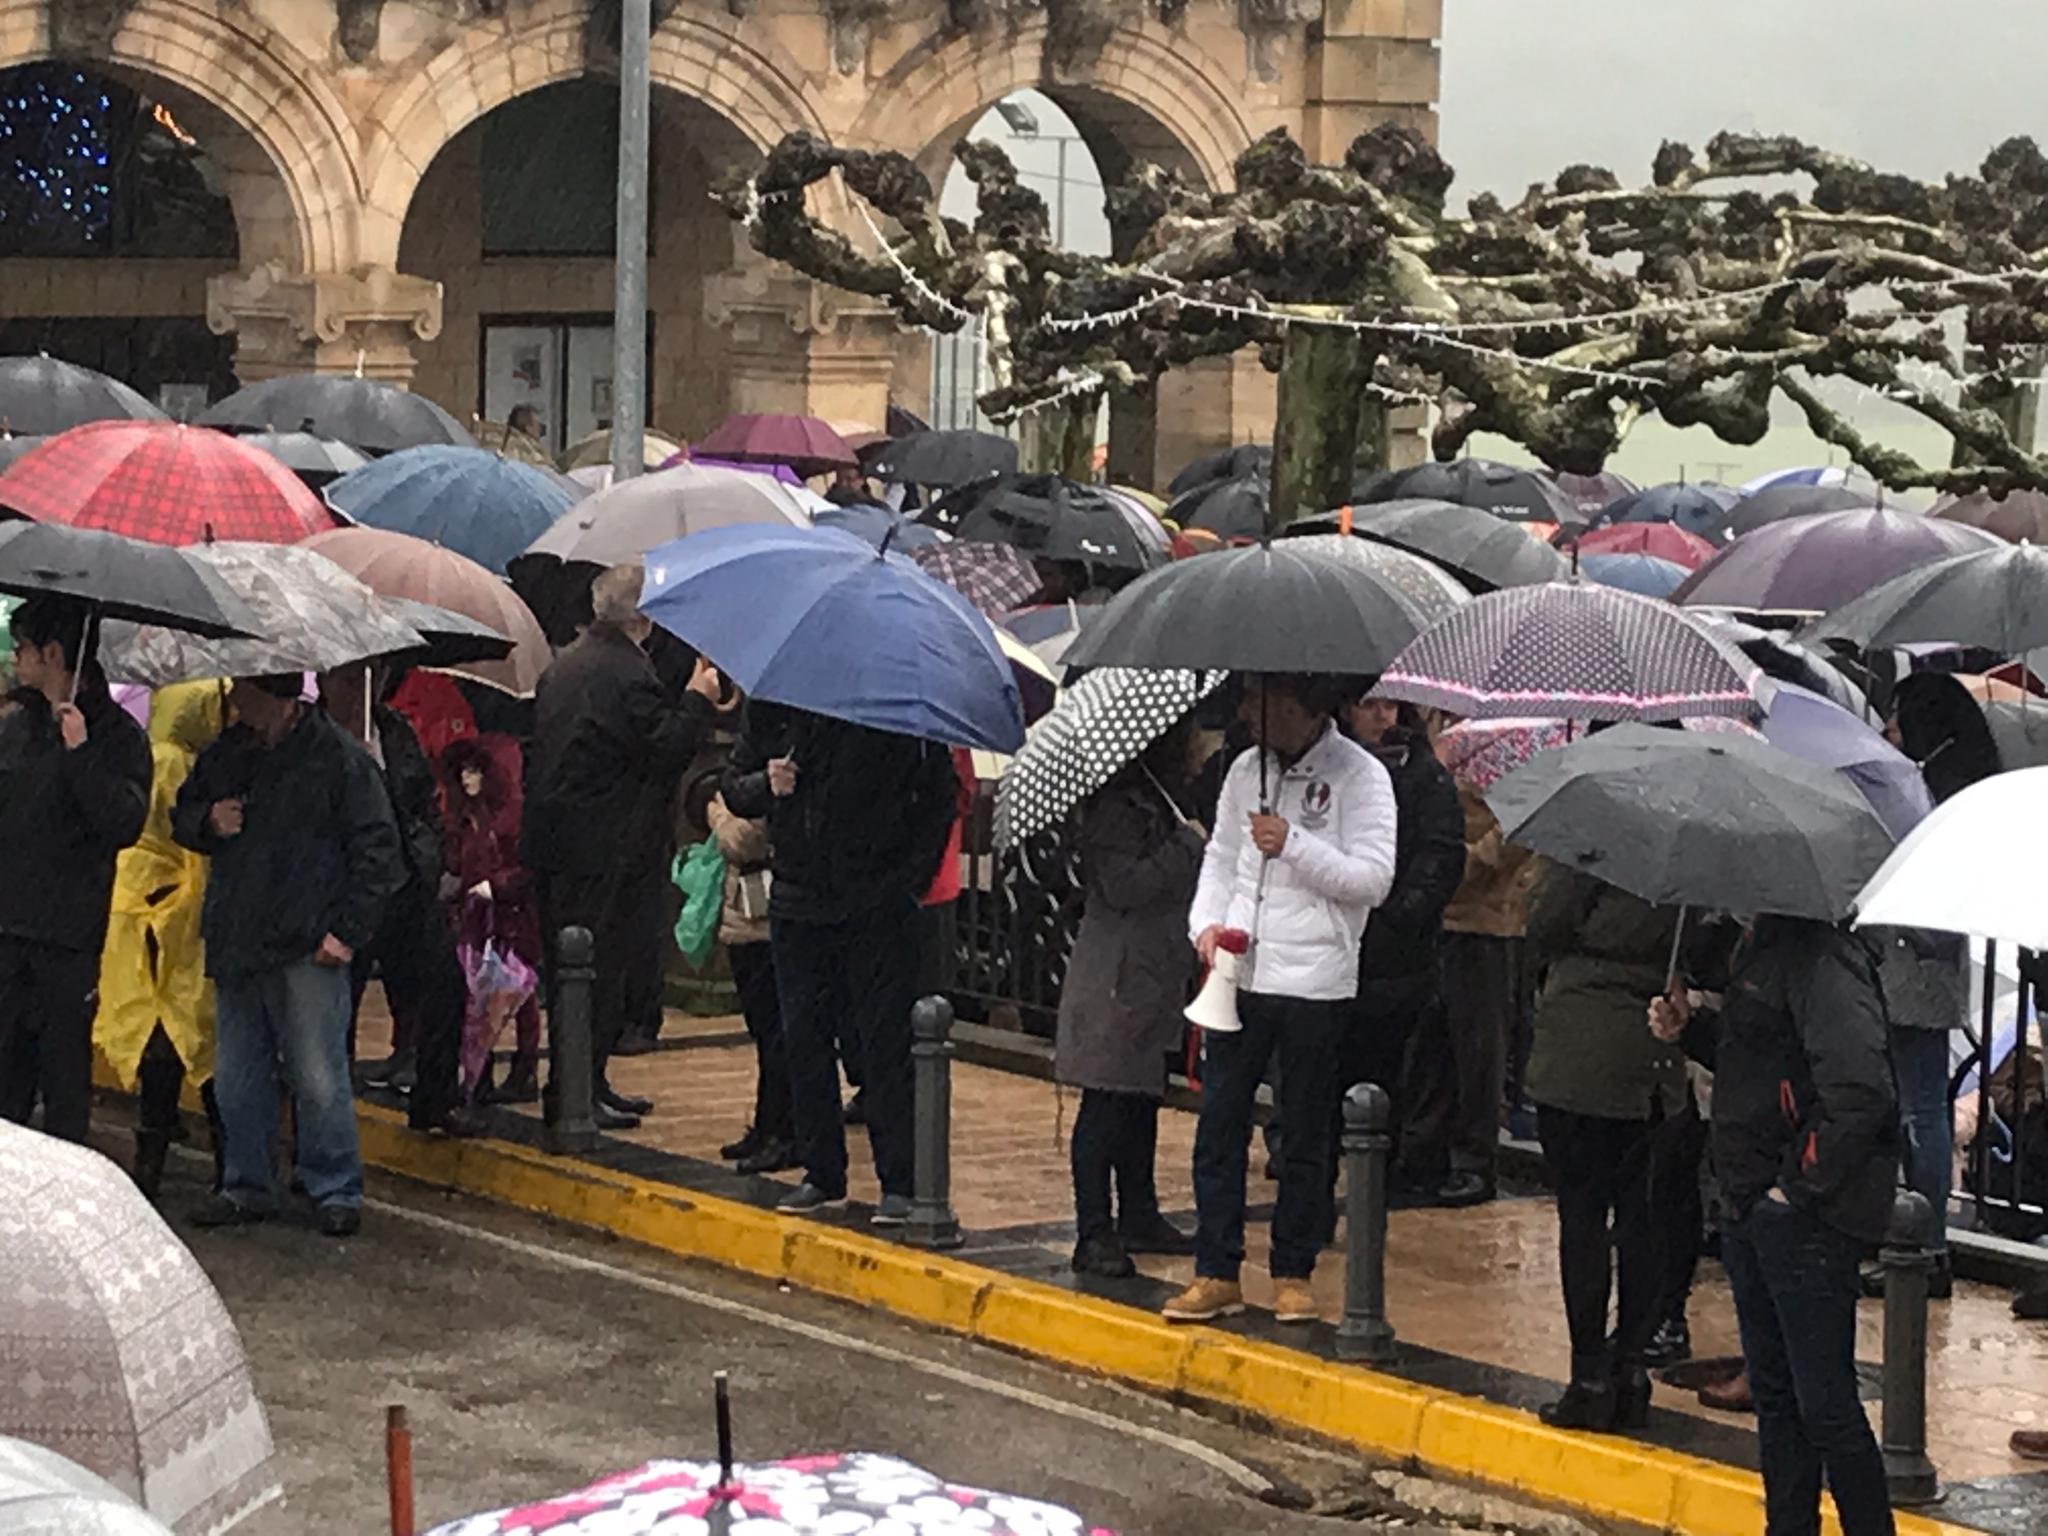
1013, 927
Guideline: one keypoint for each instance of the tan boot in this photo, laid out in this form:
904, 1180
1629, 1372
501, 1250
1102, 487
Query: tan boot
1204, 1302
1293, 1302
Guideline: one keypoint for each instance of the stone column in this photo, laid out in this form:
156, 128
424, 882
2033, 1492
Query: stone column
363, 322
797, 346
1211, 404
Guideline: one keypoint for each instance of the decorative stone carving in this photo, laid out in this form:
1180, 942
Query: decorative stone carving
801, 346
358, 22
86, 28
362, 322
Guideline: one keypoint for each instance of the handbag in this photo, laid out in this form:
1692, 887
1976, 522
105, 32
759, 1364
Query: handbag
750, 891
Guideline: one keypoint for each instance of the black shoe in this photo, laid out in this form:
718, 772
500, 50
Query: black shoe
636, 1042
605, 1118
220, 1211
151, 1150
748, 1144
1103, 1258
459, 1123
856, 1111
1464, 1189
808, 1197
385, 1073
1631, 1398
2031, 1305
1585, 1405
773, 1155
522, 1087
1157, 1235
1670, 1344
340, 1220
625, 1103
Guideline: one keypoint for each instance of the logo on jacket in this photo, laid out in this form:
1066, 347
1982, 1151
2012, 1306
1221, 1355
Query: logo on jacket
1315, 803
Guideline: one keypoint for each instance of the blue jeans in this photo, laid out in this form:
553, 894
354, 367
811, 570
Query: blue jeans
296, 1017
1795, 1284
1920, 1067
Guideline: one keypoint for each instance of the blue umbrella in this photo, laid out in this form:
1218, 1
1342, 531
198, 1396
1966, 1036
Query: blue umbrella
818, 619
1803, 724
1696, 509
465, 499
1644, 575
872, 523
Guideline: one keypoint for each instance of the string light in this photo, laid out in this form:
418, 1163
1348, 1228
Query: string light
916, 284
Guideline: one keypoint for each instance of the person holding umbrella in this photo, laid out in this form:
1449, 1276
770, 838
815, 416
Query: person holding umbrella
1303, 850
74, 791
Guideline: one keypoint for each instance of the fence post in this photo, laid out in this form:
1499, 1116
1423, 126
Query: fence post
1365, 1334
569, 1074
1908, 1257
932, 1222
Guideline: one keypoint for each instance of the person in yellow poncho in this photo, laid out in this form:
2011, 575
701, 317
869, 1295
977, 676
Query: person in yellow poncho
155, 1024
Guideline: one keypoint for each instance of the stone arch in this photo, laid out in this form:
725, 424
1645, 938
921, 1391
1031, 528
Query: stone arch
751, 88
226, 65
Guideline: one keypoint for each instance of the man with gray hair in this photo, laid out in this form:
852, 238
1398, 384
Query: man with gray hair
609, 745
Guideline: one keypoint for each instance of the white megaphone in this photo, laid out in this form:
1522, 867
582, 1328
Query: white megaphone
1215, 1006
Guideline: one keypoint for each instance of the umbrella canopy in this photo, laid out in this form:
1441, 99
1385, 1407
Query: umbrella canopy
1995, 597
1972, 867
364, 413
1665, 540
43, 395
1778, 656
1474, 545
163, 483
1430, 589
1696, 509
1048, 517
1102, 723
1592, 494
626, 520
595, 451
1224, 464
945, 459
1775, 503
395, 565
452, 639
1230, 509
996, 578
1480, 753
804, 443
781, 472
2017, 515
509, 442
1576, 651
319, 461
1810, 475
43, 1494
877, 525
1817, 564
2019, 728
465, 499
124, 579
1818, 730
1050, 629
1506, 490
115, 1348
1278, 607
1644, 575
1142, 511
819, 620
1685, 819
12, 448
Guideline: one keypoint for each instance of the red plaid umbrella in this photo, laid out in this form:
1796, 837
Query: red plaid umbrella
164, 483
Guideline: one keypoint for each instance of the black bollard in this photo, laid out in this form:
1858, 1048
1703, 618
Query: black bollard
1908, 1257
932, 1222
569, 1084
1365, 1334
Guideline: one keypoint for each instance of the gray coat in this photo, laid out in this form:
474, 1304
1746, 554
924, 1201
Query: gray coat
1127, 980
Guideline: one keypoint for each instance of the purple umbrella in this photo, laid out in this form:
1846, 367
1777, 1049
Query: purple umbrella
781, 472
1816, 564
804, 443
1805, 725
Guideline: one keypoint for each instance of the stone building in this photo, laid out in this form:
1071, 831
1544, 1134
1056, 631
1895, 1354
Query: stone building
420, 189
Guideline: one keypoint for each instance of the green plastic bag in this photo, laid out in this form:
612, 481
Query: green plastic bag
699, 873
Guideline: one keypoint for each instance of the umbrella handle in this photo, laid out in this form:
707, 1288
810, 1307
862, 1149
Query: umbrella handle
1677, 938
722, 1400
398, 1468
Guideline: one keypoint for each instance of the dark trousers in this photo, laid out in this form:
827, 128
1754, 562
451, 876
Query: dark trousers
1677, 1207
850, 985
1309, 1039
1457, 1067
159, 1083
623, 915
1601, 1169
47, 999
753, 974
1375, 1051
1795, 1285
414, 955
1116, 1138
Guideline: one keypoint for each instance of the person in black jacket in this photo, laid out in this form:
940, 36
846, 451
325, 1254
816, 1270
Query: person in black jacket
74, 791
293, 814
1805, 1146
610, 746
857, 821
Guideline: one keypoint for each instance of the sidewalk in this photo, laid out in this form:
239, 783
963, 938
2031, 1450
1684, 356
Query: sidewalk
1473, 1294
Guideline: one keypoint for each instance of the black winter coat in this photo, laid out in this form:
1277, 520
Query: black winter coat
415, 794
1397, 967
610, 745
65, 815
317, 854
868, 821
1803, 1093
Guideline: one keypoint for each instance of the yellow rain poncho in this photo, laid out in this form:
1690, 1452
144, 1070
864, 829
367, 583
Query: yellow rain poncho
159, 888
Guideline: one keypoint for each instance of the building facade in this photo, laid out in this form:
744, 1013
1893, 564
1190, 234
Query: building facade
420, 189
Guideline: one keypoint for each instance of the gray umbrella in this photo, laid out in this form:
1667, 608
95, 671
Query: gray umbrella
1678, 818
1995, 597
1476, 546
121, 578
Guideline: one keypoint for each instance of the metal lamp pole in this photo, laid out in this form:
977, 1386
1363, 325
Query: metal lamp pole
629, 294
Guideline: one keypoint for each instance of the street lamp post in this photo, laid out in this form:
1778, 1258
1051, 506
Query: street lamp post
629, 293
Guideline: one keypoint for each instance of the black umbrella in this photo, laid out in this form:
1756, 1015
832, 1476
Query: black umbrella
1263, 608
1519, 495
1775, 503
1711, 820
121, 578
1047, 517
1478, 547
945, 459
319, 461
1227, 464
367, 414
901, 423
41, 395
453, 639
1996, 598
1230, 509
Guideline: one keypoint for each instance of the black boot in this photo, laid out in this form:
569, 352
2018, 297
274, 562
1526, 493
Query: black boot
1103, 1258
1588, 1403
1631, 1395
151, 1148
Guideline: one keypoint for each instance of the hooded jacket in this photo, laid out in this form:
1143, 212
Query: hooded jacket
1306, 910
1398, 967
481, 837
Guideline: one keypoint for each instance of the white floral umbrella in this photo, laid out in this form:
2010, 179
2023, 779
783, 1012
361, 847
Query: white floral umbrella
42, 1494
115, 1350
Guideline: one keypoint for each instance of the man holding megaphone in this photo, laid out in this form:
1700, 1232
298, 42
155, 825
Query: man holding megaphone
1302, 852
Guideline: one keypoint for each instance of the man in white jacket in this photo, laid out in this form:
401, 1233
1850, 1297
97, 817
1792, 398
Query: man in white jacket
1302, 851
